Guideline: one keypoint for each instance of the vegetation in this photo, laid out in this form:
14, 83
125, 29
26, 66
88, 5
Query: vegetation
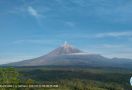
71, 78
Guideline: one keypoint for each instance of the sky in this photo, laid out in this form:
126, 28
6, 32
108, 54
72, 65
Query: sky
31, 28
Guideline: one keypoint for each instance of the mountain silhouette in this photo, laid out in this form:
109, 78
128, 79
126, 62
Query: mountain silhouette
66, 55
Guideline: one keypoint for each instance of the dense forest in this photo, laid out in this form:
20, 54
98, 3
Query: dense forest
67, 78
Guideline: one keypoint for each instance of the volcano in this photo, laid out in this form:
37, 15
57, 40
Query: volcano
67, 55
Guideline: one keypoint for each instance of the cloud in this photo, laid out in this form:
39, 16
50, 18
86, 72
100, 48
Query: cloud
15, 58
114, 34
33, 11
36, 14
111, 50
69, 23
36, 41
127, 34
112, 46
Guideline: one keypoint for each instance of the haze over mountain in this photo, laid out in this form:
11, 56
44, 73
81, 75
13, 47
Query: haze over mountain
66, 55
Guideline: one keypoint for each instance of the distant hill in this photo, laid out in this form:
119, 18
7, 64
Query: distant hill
68, 55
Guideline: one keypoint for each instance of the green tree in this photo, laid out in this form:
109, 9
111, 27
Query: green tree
9, 76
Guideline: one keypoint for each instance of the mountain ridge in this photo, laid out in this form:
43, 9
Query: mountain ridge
68, 55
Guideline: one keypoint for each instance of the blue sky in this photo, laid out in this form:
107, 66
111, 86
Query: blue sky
31, 28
